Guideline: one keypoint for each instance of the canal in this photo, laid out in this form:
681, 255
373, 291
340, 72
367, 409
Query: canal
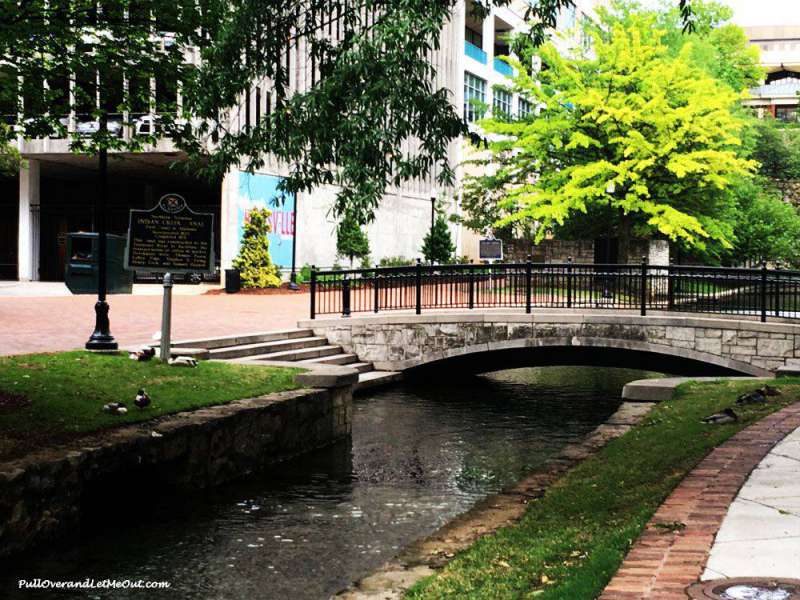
420, 454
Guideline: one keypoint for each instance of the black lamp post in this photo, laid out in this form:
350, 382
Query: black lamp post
610, 189
293, 276
101, 339
433, 214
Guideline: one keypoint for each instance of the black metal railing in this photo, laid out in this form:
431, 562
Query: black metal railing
760, 292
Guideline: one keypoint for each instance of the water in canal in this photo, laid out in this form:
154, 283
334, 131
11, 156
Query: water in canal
420, 454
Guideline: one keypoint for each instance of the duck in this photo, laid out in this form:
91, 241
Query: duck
143, 355
726, 416
756, 397
142, 400
183, 361
115, 408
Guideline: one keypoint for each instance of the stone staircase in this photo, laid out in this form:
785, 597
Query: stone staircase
300, 346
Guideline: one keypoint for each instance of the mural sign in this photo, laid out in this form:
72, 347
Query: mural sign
257, 190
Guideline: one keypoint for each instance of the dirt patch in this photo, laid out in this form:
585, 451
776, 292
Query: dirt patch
283, 290
10, 402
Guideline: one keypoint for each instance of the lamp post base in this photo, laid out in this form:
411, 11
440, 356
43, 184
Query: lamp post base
101, 339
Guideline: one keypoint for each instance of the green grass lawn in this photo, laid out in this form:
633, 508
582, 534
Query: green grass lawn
572, 540
64, 393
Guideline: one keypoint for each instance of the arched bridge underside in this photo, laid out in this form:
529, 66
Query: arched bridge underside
493, 339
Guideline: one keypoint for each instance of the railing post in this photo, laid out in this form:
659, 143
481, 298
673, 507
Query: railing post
345, 297
643, 291
763, 291
569, 282
313, 292
377, 286
419, 286
528, 289
777, 285
471, 287
670, 286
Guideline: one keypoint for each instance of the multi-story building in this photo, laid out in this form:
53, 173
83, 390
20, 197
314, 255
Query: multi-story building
780, 57
55, 191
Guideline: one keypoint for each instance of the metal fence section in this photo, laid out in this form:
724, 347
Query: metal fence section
758, 292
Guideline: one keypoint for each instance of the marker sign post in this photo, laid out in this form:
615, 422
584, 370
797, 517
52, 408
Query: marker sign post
490, 249
170, 238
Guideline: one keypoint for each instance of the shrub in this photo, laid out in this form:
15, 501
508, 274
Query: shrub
396, 261
254, 262
351, 241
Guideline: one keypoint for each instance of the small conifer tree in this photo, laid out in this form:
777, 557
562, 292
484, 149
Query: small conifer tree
254, 262
351, 241
437, 246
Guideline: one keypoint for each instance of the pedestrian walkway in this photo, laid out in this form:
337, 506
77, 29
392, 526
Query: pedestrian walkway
760, 535
48, 324
673, 550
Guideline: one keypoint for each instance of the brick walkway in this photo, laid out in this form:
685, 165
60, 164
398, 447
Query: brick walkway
662, 564
50, 324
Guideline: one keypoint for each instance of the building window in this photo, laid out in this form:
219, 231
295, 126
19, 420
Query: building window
501, 104
525, 108
567, 17
474, 97
788, 114
473, 37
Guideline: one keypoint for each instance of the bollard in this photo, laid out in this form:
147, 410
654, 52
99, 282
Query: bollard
166, 319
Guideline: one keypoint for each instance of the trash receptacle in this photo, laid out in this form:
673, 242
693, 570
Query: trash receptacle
81, 269
233, 281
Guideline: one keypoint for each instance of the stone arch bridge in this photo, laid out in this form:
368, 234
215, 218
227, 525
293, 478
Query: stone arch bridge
493, 339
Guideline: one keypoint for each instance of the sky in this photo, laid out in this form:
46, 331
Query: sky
749, 13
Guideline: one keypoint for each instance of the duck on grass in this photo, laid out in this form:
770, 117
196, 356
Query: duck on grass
61, 396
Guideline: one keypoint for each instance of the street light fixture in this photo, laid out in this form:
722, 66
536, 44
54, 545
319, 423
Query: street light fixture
434, 195
610, 189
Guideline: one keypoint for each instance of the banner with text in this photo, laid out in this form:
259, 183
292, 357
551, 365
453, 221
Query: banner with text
261, 191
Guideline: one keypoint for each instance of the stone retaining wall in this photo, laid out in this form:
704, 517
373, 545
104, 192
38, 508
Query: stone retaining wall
398, 342
41, 494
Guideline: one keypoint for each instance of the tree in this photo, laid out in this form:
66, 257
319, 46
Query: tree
351, 241
9, 159
658, 128
254, 262
767, 228
371, 91
437, 246
776, 148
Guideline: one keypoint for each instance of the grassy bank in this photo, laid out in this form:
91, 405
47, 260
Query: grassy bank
573, 539
48, 398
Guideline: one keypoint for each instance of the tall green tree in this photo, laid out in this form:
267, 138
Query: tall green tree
351, 241
437, 245
655, 128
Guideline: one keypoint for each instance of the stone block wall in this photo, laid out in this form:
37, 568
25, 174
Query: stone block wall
41, 495
402, 342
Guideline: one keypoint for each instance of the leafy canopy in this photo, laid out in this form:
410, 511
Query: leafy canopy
365, 111
653, 126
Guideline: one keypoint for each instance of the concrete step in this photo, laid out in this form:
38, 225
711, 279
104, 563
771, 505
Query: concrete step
375, 378
244, 339
300, 354
240, 351
335, 359
362, 367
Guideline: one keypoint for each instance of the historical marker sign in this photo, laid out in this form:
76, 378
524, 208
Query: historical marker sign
490, 250
170, 238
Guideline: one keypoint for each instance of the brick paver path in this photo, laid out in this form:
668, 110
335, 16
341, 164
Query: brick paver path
63, 323
662, 564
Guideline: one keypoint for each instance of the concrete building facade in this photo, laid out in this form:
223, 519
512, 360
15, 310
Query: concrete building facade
55, 189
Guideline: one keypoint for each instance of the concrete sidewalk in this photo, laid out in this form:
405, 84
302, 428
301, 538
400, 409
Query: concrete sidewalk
49, 289
760, 535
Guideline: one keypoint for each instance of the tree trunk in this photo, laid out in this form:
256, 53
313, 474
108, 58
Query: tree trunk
624, 237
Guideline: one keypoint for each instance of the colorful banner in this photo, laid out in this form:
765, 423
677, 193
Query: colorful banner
261, 191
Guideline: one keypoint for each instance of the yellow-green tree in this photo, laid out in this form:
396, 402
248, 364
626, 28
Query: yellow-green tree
254, 262
653, 127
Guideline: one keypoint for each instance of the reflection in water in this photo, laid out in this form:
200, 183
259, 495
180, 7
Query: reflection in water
420, 454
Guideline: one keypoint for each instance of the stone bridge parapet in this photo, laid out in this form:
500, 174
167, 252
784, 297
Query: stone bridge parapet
399, 342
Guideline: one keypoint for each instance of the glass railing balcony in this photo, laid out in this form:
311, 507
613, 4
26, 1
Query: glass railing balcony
503, 67
474, 52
